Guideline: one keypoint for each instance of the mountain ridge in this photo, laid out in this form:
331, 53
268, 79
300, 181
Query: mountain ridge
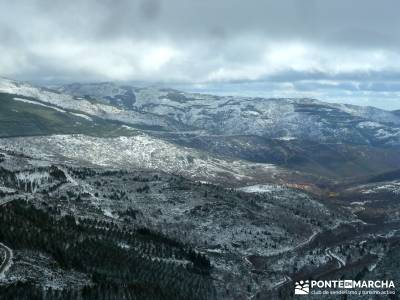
171, 110
307, 135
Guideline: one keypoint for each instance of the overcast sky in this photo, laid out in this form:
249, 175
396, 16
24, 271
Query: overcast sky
336, 50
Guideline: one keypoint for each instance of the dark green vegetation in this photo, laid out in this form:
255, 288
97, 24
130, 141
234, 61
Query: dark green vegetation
379, 207
140, 270
389, 268
393, 175
19, 118
119, 215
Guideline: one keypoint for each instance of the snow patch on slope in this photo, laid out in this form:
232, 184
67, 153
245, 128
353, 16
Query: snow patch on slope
261, 188
140, 151
69, 102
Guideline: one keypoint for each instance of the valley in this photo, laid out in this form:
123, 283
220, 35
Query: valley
152, 193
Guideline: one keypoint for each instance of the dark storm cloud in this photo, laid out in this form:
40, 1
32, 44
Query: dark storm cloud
353, 23
202, 41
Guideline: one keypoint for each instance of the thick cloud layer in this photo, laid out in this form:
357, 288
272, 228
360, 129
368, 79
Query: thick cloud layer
343, 50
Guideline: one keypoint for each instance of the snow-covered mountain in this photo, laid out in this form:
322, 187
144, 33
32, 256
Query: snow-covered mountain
171, 110
145, 152
306, 119
231, 228
58, 100
66, 128
93, 173
306, 135
107, 92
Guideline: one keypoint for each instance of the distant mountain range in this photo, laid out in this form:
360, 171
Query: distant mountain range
306, 135
284, 119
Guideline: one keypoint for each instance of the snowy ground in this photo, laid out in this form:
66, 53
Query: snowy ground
7, 260
144, 152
